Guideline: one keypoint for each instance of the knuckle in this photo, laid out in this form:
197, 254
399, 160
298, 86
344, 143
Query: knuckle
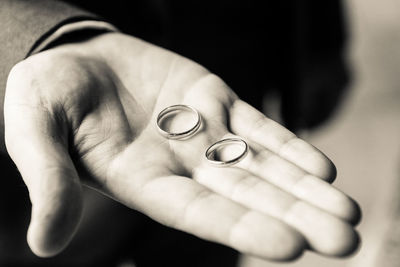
24, 76
19, 71
48, 65
35, 79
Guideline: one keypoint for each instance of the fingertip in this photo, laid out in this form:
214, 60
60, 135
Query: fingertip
325, 233
330, 172
347, 243
49, 240
289, 246
53, 226
354, 213
346, 209
268, 238
324, 168
356, 245
294, 248
339, 204
342, 206
39, 246
309, 158
343, 242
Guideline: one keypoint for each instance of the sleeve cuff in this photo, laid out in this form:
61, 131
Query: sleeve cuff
69, 29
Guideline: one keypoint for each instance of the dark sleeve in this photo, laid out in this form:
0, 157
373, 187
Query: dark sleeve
24, 24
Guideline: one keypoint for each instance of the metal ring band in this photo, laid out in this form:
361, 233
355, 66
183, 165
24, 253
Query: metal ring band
211, 150
178, 135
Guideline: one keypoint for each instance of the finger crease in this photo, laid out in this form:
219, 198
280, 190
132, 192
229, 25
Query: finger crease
282, 148
245, 183
182, 220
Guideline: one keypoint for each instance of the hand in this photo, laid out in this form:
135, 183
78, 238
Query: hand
84, 113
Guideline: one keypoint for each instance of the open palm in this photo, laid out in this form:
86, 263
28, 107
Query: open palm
86, 112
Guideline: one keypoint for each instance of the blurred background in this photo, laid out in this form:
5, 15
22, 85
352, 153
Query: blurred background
363, 137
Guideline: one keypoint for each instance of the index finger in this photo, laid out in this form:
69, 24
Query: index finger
251, 124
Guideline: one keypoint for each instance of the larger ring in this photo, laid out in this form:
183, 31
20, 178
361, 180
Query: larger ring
211, 151
178, 135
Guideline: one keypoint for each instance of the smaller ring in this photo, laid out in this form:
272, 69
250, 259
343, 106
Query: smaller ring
178, 135
212, 149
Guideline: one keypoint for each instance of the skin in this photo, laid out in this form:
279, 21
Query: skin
84, 114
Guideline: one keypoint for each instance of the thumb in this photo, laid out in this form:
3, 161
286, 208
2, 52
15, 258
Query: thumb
39, 148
